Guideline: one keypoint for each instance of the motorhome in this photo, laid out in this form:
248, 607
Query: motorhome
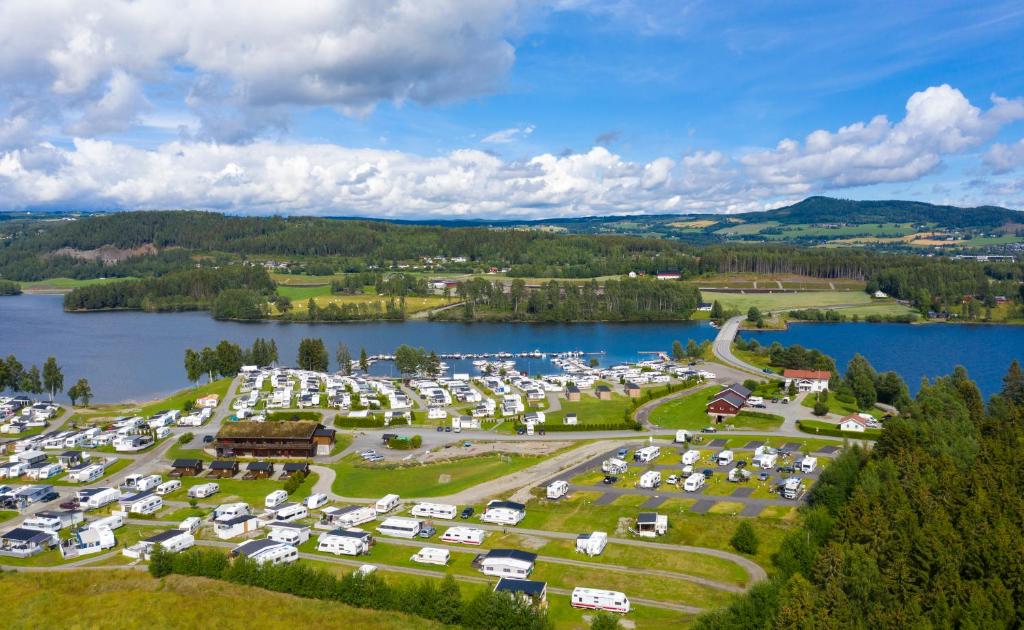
690, 457
650, 480
400, 527
724, 458
597, 599
314, 501
266, 551
463, 535
432, 555
504, 513
614, 466
792, 488
288, 512
386, 503
275, 498
203, 490
291, 533
349, 516
694, 482
344, 542
557, 489
443, 511
592, 544
168, 487
647, 454
682, 437
808, 464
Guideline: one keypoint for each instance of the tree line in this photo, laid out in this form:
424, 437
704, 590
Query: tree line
923, 531
226, 359
8, 287
16, 378
439, 601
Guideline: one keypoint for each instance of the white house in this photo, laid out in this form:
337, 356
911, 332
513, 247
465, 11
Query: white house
234, 526
88, 541
854, 423
504, 513
511, 563
344, 542
808, 380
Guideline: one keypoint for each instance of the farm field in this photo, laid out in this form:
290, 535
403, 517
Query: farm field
322, 297
787, 301
131, 599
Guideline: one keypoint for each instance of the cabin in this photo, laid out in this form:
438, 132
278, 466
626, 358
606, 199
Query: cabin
172, 540
298, 438
223, 469
651, 524
345, 542
259, 470
632, 390
603, 392
572, 393
345, 517
88, 541
807, 380
235, 526
186, 467
529, 591
294, 468
21, 542
504, 513
266, 551
508, 563
70, 459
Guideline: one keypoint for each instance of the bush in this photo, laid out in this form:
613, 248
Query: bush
185, 438
359, 423
745, 539
293, 415
820, 408
604, 621
751, 384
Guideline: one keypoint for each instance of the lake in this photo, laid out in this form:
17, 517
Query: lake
139, 356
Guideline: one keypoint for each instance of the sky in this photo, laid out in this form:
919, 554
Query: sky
507, 109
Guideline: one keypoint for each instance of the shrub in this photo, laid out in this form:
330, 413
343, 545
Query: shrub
293, 415
185, 438
745, 539
820, 408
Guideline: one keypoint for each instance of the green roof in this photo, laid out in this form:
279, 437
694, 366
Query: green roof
282, 429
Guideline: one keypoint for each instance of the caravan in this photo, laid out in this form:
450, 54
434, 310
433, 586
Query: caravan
463, 535
690, 457
614, 466
558, 489
724, 458
344, 542
808, 464
168, 487
444, 511
694, 482
314, 501
596, 599
386, 503
647, 454
592, 544
203, 490
275, 498
432, 555
650, 480
400, 527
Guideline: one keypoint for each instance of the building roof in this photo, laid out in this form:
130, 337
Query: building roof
295, 466
819, 375
647, 517
254, 546
533, 588
236, 520
855, 417
261, 466
223, 464
632, 385
297, 429
603, 388
20, 534
730, 397
739, 389
511, 505
345, 533
165, 536
136, 497
187, 463
511, 554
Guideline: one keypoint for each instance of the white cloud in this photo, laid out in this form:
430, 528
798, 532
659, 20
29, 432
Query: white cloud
506, 136
278, 177
1003, 158
117, 110
348, 54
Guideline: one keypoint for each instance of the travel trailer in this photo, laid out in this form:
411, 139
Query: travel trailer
432, 555
650, 480
694, 482
443, 511
592, 544
344, 542
387, 503
558, 489
596, 599
275, 498
400, 527
463, 535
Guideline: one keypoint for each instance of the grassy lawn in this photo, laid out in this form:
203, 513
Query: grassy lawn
688, 412
590, 410
429, 480
192, 450
7, 515
251, 491
322, 296
178, 399
786, 301
127, 599
834, 405
811, 426
882, 308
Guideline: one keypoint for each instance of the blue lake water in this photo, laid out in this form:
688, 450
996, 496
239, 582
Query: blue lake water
138, 356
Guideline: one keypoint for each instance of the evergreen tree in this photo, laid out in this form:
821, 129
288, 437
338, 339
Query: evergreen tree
693, 350
364, 360
716, 310
15, 373
32, 382
744, 539
860, 377
1013, 382
312, 355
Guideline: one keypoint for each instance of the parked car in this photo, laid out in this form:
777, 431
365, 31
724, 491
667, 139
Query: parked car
49, 496
766, 371
709, 430
440, 429
775, 400
609, 480
207, 439
764, 476
69, 505
672, 479
521, 431
708, 473
467, 444
786, 469
623, 452
785, 401
447, 429
467, 512
427, 531
742, 463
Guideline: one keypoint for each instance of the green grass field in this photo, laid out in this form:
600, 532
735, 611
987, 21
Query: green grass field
744, 229
809, 426
133, 599
834, 405
787, 301
322, 297
689, 413
590, 410
251, 491
7, 515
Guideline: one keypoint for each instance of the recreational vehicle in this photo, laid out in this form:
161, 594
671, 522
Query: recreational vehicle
114, 521
291, 533
172, 540
190, 524
792, 488
203, 490
694, 482
288, 512
227, 511
647, 454
690, 457
682, 437
443, 511
275, 498
432, 555
349, 516
168, 487
503, 513
344, 542
558, 489
596, 599
463, 535
614, 466
93, 498
386, 503
141, 503
400, 527
592, 544
724, 458
314, 501
92, 472
266, 551
808, 464
650, 480
508, 563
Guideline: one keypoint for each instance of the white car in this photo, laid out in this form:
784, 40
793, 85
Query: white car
672, 480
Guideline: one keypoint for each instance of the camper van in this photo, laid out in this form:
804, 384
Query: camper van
690, 457
694, 482
168, 487
275, 498
400, 527
203, 490
808, 464
558, 489
386, 503
650, 480
314, 501
724, 458
463, 535
432, 555
190, 524
614, 466
682, 437
792, 488
596, 599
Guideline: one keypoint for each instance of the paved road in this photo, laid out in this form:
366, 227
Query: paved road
722, 347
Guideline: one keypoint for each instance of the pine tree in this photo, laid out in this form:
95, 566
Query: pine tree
744, 539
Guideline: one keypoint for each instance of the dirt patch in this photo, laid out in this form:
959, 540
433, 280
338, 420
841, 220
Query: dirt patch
444, 479
107, 254
623, 525
490, 448
532, 543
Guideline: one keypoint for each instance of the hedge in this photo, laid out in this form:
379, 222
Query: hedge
428, 599
368, 422
612, 426
813, 427
277, 416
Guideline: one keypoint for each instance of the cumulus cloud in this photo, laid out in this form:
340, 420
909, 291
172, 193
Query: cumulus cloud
278, 177
1003, 158
348, 54
117, 110
506, 136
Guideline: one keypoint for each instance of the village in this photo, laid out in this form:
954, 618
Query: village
593, 488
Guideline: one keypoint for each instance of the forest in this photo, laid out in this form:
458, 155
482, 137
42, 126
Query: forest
922, 531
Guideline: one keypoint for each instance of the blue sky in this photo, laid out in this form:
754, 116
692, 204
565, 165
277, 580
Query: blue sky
508, 109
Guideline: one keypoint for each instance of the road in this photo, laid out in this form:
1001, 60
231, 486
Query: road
722, 347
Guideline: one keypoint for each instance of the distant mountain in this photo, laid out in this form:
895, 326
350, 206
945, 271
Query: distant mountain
830, 210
